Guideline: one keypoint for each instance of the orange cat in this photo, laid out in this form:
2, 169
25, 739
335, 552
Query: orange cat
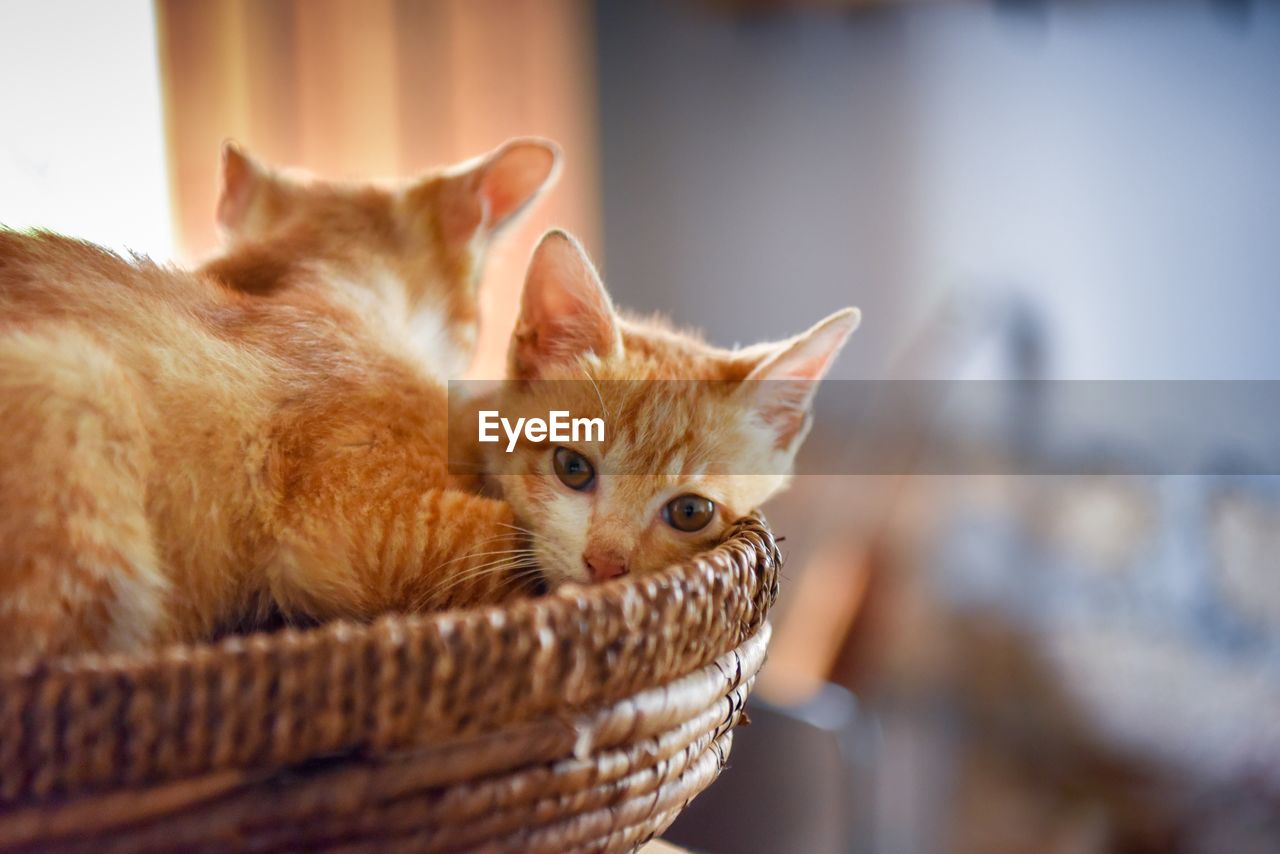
695, 436
186, 453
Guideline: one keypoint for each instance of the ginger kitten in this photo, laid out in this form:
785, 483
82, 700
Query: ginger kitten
695, 436
186, 453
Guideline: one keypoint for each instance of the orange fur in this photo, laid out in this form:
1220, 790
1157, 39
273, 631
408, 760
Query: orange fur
682, 417
188, 452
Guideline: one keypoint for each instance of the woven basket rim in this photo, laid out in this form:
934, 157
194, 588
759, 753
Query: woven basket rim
78, 724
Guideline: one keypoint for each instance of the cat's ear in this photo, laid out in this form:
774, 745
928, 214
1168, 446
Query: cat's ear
565, 312
783, 383
513, 176
242, 181
489, 192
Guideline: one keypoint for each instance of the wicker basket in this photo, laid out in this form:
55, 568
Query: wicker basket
583, 720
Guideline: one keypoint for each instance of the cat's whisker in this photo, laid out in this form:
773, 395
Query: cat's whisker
503, 570
526, 564
471, 570
599, 396
514, 554
470, 555
437, 595
556, 555
494, 538
521, 575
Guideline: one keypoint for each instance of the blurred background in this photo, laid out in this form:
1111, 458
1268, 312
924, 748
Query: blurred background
1056, 190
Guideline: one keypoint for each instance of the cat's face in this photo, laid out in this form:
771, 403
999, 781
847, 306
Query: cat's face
695, 436
415, 246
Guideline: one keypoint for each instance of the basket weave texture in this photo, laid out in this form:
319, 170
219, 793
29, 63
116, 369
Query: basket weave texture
585, 719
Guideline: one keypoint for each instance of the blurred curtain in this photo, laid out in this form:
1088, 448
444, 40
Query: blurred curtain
377, 88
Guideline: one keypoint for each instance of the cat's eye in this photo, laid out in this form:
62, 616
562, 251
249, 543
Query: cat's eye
689, 513
574, 470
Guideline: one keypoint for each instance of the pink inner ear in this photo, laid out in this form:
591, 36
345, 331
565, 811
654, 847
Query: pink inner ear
564, 311
802, 366
513, 178
808, 356
787, 380
783, 404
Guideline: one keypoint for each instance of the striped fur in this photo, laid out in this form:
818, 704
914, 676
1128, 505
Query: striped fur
185, 453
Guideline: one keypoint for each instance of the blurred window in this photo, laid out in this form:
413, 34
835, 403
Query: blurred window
81, 132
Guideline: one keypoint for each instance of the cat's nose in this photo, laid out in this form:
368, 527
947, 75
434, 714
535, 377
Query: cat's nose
604, 565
